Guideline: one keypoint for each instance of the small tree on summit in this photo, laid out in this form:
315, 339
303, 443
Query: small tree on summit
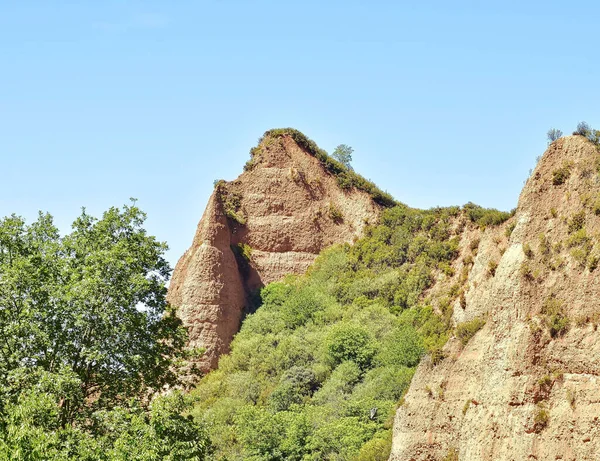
343, 154
554, 134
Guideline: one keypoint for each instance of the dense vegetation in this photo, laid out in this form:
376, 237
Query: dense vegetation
318, 370
86, 342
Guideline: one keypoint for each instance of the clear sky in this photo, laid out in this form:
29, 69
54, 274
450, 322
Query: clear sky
443, 102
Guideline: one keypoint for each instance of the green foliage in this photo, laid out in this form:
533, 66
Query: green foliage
318, 370
466, 330
88, 341
350, 342
541, 417
582, 129
560, 175
343, 154
245, 250
581, 246
554, 134
452, 455
346, 177
509, 229
485, 216
554, 317
576, 222
335, 214
232, 202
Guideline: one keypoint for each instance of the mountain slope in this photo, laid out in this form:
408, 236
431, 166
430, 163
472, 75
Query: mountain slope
291, 202
526, 385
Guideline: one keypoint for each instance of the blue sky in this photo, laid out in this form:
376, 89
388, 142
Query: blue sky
443, 102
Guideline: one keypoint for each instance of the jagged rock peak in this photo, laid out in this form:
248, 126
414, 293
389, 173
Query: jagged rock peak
291, 202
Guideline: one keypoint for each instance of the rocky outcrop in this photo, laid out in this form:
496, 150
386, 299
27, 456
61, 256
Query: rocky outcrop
271, 221
527, 385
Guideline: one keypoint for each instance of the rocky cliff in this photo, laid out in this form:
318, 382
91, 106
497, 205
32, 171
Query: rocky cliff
271, 221
525, 386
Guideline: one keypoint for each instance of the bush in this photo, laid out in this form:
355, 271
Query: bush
554, 134
351, 342
541, 418
560, 175
335, 214
466, 330
294, 387
554, 317
582, 129
509, 229
485, 216
576, 222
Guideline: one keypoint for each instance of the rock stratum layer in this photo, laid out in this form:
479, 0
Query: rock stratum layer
271, 221
527, 385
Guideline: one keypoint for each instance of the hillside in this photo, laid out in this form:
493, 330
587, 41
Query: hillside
318, 370
291, 202
526, 385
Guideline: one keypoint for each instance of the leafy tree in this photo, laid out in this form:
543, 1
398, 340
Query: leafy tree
554, 134
85, 331
343, 154
351, 342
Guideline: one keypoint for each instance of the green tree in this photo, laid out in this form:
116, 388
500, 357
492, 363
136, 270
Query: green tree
85, 329
343, 154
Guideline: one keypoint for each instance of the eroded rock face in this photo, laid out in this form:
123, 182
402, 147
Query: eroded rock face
520, 389
281, 213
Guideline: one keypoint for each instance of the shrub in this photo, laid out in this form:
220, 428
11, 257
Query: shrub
377, 449
509, 229
466, 330
452, 455
554, 134
402, 347
335, 214
541, 418
560, 175
576, 222
232, 202
555, 319
582, 129
295, 385
350, 342
527, 250
485, 216
544, 246
492, 266
526, 271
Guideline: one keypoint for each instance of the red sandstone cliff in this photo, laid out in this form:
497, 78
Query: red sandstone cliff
271, 221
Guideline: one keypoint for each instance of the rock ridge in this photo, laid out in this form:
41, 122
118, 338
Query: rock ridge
271, 221
525, 386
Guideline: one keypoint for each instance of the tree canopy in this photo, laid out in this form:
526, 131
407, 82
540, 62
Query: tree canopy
88, 341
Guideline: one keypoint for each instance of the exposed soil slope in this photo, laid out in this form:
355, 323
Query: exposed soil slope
271, 221
525, 386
